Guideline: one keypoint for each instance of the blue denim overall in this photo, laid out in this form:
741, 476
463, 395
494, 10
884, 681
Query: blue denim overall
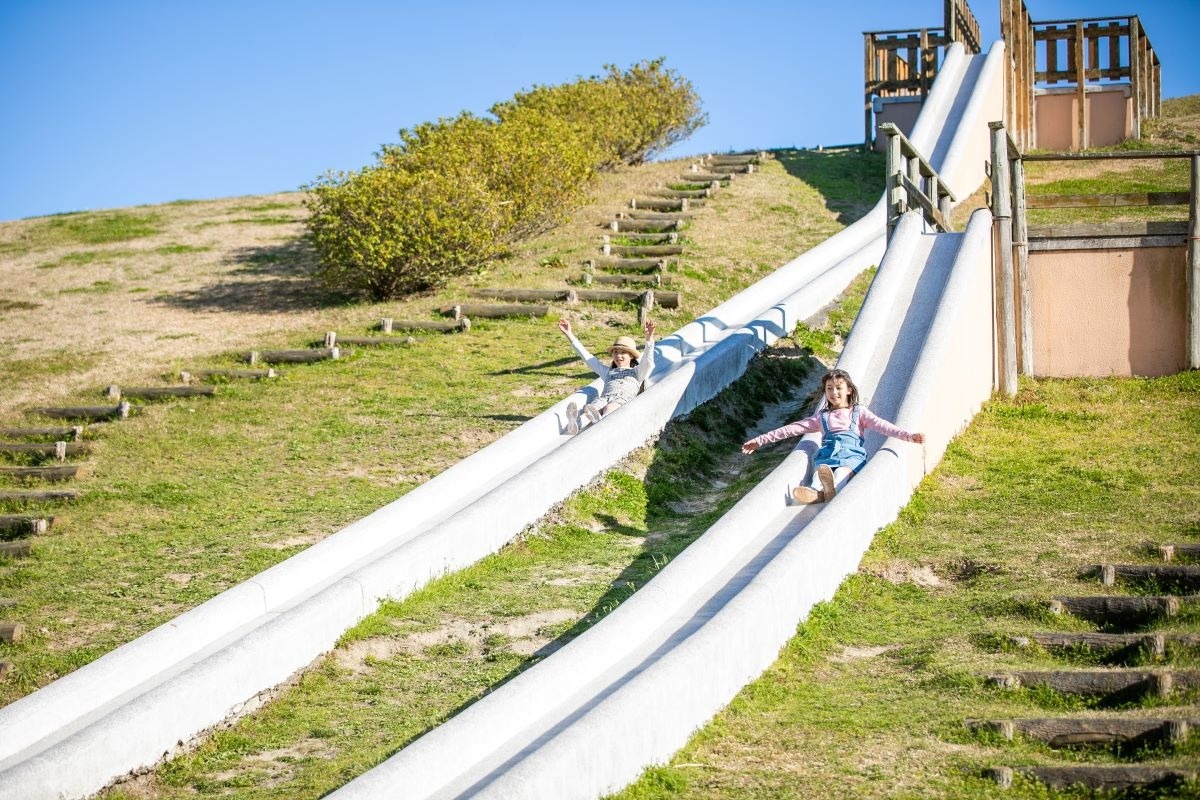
841, 448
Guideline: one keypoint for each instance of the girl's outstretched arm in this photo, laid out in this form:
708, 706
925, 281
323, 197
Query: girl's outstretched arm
806, 425
593, 363
646, 364
867, 419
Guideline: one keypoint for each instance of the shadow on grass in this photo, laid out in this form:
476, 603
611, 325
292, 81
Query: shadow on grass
844, 178
279, 279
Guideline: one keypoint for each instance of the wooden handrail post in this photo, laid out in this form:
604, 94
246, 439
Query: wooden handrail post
893, 166
1193, 268
1021, 248
1002, 216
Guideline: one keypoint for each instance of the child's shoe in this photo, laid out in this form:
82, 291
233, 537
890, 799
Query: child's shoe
805, 495
591, 413
572, 419
825, 475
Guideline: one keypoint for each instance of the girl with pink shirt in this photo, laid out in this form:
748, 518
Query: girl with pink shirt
841, 423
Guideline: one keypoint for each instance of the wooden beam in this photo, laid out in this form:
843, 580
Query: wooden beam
246, 374
11, 631
526, 295
72, 434
38, 496
1108, 200
1161, 683
1091, 230
159, 392
1117, 609
119, 411
59, 450
18, 549
52, 474
23, 524
292, 356
387, 325
1193, 268
1059, 732
461, 310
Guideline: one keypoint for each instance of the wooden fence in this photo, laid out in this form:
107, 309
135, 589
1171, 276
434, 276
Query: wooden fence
1072, 53
903, 63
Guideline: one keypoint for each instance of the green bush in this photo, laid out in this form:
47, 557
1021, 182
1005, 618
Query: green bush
385, 232
538, 167
456, 193
629, 116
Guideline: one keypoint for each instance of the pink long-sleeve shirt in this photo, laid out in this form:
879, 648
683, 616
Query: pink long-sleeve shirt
838, 419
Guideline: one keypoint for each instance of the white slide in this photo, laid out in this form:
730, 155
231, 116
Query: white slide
133, 706
629, 691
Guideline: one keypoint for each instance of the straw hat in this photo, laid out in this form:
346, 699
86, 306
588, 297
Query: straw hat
627, 344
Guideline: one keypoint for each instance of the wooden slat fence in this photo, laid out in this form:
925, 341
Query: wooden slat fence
1075, 53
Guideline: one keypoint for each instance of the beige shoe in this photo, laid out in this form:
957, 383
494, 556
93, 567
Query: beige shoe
805, 495
825, 475
572, 419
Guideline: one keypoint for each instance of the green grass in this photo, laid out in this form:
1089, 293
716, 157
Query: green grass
868, 700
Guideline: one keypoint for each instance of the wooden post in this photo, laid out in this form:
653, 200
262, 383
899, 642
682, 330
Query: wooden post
1002, 214
1193, 268
892, 169
1080, 84
1135, 73
868, 80
1021, 249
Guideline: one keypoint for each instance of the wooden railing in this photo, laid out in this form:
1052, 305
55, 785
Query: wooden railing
1013, 235
903, 63
913, 183
1075, 52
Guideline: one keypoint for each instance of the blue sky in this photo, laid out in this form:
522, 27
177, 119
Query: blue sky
127, 102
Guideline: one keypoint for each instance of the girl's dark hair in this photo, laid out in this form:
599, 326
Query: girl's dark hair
841, 373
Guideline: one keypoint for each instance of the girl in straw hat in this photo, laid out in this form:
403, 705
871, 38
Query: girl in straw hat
623, 377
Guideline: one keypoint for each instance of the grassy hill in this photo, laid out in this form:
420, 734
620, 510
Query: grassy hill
190, 497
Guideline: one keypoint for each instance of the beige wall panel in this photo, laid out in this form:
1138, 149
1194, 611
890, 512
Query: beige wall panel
1108, 312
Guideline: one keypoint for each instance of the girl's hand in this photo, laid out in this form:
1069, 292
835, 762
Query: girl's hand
749, 447
564, 325
649, 328
919, 438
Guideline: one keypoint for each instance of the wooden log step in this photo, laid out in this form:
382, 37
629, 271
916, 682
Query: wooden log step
23, 525
707, 177
1170, 576
1107, 778
1170, 552
1160, 683
690, 194
1153, 644
158, 392
663, 299
653, 279
732, 158
377, 341
461, 310
51, 474
665, 203
96, 413
38, 495
636, 250
292, 356
639, 237
627, 225
387, 325
71, 434
60, 450
18, 549
1059, 732
661, 216
5, 668
526, 295
232, 374
627, 265
1118, 610
11, 631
